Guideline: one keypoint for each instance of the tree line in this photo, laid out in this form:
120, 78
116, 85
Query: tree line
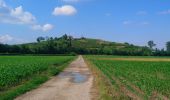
65, 45
159, 52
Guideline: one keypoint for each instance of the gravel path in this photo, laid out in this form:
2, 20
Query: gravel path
74, 83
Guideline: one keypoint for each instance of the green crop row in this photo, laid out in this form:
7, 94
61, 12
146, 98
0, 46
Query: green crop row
15, 69
148, 76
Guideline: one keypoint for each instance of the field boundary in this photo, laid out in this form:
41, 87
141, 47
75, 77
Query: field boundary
138, 59
102, 87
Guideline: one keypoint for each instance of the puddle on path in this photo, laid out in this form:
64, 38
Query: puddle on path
75, 77
78, 78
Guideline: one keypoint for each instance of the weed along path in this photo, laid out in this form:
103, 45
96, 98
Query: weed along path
74, 83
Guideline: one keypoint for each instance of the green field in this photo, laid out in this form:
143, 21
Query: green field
136, 77
17, 70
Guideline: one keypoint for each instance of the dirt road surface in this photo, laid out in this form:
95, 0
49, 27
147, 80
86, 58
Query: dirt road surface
74, 83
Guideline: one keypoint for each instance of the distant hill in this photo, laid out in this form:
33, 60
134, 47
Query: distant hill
100, 46
97, 43
67, 44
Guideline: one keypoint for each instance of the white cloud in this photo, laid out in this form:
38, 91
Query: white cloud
18, 16
47, 27
64, 10
44, 28
2, 3
22, 16
5, 38
165, 12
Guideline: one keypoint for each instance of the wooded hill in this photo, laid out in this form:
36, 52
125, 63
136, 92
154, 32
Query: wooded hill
69, 45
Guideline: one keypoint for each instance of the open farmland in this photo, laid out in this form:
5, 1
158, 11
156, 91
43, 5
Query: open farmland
135, 77
15, 70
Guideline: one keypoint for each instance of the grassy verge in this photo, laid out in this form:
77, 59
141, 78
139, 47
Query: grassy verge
101, 85
34, 82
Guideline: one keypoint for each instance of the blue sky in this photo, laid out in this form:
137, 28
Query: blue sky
133, 21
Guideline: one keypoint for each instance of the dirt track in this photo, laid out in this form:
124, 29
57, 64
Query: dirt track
74, 83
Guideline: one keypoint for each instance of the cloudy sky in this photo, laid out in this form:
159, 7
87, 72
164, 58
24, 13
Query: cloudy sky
133, 21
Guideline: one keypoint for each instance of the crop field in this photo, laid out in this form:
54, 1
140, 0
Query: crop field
15, 69
136, 77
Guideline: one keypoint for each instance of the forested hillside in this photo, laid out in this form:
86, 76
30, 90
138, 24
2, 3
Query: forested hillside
69, 45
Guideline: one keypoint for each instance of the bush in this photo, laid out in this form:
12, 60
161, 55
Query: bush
72, 54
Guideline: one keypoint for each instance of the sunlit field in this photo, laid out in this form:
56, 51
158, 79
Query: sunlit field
15, 69
136, 77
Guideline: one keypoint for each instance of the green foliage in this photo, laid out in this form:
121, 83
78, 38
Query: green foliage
39, 39
32, 84
168, 47
149, 76
15, 69
67, 44
72, 54
52, 64
151, 44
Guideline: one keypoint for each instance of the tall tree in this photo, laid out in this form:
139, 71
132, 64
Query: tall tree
65, 37
168, 47
39, 39
151, 44
70, 40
